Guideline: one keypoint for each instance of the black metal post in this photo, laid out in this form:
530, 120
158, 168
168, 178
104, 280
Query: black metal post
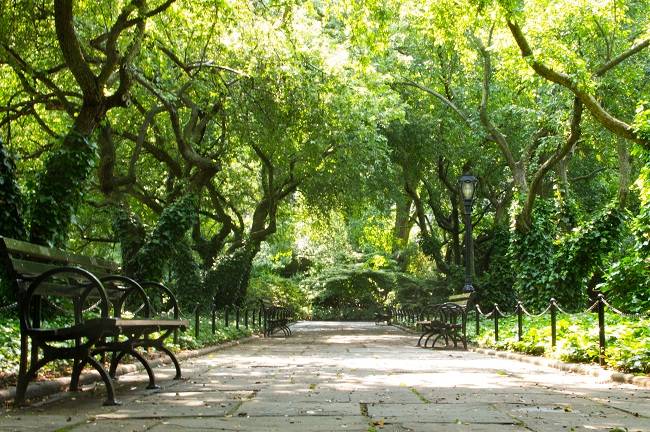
469, 249
520, 320
495, 313
478, 319
601, 329
237, 318
265, 323
197, 321
246, 317
553, 323
214, 320
227, 316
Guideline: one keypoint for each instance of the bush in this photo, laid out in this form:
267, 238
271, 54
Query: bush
265, 284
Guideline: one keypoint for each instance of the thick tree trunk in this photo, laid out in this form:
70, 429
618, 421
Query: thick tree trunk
60, 186
403, 222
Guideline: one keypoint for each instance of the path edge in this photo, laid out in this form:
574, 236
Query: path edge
57, 385
583, 369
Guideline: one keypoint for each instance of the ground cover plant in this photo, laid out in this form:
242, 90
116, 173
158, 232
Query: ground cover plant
627, 339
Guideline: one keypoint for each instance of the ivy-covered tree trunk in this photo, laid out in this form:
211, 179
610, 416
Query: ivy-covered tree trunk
151, 259
130, 232
531, 255
60, 189
229, 277
11, 222
187, 283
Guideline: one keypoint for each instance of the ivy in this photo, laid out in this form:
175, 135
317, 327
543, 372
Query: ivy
186, 276
531, 255
174, 222
584, 250
229, 277
627, 279
11, 222
129, 229
60, 189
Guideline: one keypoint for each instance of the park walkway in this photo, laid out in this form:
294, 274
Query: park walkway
348, 377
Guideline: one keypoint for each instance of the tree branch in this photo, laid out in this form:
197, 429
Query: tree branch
613, 124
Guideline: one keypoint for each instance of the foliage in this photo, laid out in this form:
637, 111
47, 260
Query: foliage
329, 135
265, 284
531, 257
583, 250
627, 344
11, 222
174, 223
186, 278
356, 291
496, 284
228, 278
9, 345
60, 190
627, 280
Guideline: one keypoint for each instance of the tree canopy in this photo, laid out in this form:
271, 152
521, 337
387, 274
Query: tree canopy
225, 145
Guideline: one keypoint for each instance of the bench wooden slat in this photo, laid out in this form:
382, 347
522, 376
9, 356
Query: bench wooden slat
27, 268
150, 323
17, 247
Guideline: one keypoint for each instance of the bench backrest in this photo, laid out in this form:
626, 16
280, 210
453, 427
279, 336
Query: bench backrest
464, 300
23, 261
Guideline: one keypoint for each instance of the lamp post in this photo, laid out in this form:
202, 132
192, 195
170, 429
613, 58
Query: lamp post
467, 184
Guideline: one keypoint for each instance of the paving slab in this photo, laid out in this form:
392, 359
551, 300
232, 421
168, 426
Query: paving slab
337, 376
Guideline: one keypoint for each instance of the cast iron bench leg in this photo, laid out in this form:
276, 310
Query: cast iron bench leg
173, 359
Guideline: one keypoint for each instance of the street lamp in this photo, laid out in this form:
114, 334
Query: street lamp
467, 184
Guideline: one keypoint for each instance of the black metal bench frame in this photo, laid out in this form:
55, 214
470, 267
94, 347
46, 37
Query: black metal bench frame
448, 322
39, 274
384, 316
276, 318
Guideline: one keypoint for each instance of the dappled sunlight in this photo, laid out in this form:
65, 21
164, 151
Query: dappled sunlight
355, 378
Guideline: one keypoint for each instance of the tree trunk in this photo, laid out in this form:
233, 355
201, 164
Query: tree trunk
624, 171
60, 187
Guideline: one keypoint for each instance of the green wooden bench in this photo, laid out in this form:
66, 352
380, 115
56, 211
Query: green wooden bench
448, 321
80, 308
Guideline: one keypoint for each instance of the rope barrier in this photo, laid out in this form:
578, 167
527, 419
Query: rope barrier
557, 306
592, 307
501, 313
618, 312
488, 315
523, 309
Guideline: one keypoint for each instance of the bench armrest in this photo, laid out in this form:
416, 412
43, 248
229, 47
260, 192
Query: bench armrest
30, 295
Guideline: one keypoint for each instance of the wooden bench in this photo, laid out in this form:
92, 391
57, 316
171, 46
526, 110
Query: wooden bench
78, 308
448, 321
276, 318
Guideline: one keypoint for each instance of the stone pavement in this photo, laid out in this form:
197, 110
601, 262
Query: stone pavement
347, 377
